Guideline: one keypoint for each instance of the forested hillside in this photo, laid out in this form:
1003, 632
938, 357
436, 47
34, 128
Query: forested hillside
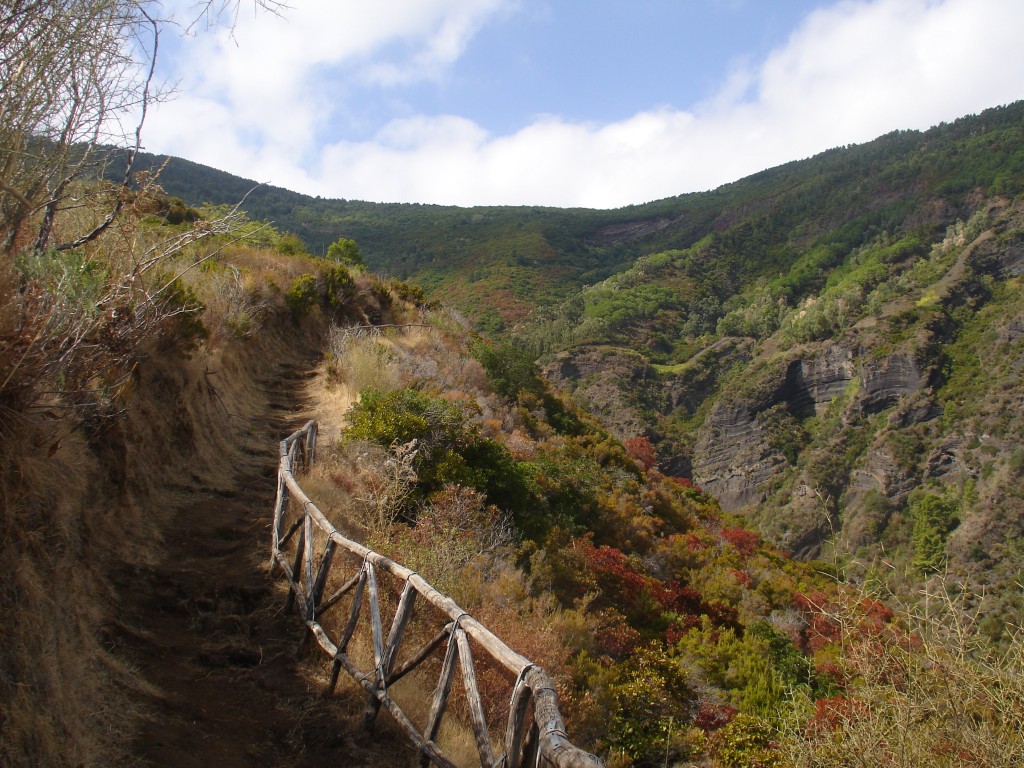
497, 264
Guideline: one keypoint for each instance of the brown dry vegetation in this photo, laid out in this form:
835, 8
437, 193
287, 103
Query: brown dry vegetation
928, 691
465, 548
137, 446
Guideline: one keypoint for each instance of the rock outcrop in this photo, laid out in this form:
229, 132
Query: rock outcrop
885, 381
733, 459
607, 379
814, 382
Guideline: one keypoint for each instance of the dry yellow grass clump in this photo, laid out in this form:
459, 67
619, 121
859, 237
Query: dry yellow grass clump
933, 693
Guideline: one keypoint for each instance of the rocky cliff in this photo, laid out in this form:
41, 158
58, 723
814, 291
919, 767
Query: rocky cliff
833, 437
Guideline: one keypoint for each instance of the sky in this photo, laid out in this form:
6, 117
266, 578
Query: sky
592, 103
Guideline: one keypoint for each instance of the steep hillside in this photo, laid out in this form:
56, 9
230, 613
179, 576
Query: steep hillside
873, 396
142, 398
496, 264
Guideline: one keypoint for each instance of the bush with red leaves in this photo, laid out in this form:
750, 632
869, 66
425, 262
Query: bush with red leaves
745, 542
712, 716
642, 450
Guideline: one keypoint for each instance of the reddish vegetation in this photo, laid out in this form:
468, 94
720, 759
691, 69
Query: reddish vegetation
823, 626
686, 482
742, 578
712, 716
745, 542
833, 713
642, 450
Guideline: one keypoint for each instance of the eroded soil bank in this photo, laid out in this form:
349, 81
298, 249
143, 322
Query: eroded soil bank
218, 677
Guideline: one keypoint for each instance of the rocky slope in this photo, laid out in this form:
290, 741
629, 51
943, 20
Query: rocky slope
831, 434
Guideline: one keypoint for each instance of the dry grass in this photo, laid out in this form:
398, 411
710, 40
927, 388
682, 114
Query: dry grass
87, 441
935, 695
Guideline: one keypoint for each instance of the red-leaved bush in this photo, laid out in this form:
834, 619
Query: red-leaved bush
745, 542
711, 716
642, 450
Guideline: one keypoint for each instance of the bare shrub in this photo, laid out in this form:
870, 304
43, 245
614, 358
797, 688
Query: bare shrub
936, 694
232, 308
456, 542
362, 487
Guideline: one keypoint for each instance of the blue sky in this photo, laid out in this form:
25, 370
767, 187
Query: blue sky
587, 61
566, 102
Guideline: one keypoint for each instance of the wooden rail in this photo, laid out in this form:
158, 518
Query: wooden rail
305, 547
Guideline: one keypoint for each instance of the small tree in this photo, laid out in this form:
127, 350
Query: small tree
345, 251
934, 518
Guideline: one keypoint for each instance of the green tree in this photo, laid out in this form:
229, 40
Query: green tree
934, 517
510, 369
345, 251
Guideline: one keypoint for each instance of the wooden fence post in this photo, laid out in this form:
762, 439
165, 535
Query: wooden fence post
441, 694
398, 625
300, 550
280, 508
516, 730
476, 708
321, 578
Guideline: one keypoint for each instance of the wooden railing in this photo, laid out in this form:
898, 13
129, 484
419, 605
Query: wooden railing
311, 551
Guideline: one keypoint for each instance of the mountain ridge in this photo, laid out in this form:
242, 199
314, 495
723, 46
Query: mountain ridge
504, 262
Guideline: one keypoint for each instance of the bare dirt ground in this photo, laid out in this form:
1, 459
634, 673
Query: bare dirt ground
220, 679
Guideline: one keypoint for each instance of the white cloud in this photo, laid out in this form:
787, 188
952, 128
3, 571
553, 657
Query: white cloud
277, 80
849, 73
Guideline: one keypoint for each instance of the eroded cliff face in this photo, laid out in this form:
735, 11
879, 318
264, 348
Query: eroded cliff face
830, 439
887, 381
739, 451
737, 460
733, 459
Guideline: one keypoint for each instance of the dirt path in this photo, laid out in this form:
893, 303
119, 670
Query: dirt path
205, 628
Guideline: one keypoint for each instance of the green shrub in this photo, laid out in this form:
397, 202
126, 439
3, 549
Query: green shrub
332, 288
339, 287
302, 295
934, 517
510, 369
412, 294
652, 703
783, 431
345, 251
290, 245
746, 742
449, 449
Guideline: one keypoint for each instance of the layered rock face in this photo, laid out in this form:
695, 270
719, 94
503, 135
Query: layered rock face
812, 383
735, 461
886, 381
